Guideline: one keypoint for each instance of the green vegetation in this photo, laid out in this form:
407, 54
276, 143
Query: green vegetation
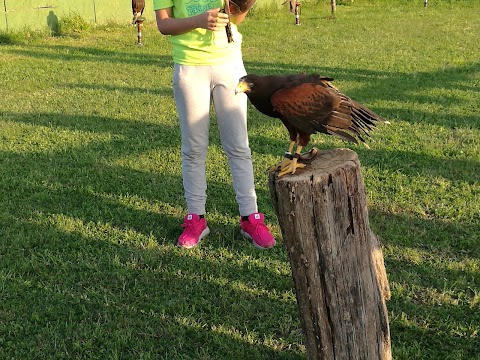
71, 24
91, 197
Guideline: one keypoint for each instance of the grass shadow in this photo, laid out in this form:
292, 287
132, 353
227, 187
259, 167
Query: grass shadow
426, 263
93, 296
92, 54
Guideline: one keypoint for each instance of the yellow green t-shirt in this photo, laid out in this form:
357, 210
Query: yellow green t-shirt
200, 46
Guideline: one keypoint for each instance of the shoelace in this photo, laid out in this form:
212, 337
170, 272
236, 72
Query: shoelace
190, 226
260, 226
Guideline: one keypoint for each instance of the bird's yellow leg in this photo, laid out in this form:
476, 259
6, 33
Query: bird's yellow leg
293, 165
286, 160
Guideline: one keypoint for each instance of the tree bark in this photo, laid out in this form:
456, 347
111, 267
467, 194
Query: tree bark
337, 262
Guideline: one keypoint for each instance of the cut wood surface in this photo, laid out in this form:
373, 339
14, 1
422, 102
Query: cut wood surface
337, 262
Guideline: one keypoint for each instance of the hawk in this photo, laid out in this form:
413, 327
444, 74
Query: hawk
307, 104
137, 9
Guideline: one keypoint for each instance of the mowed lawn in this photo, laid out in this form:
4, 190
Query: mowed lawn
91, 196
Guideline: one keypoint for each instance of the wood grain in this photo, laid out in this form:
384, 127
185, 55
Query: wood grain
337, 262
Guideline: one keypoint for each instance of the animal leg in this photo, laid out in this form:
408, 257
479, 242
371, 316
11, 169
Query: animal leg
293, 165
286, 160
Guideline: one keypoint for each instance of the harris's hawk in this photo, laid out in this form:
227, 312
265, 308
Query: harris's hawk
137, 8
307, 104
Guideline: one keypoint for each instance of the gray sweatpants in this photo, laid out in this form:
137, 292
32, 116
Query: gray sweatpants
194, 89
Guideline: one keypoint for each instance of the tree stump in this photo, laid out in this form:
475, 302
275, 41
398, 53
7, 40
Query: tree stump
337, 262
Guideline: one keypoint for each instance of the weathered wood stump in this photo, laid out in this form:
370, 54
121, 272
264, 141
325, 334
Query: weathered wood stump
337, 262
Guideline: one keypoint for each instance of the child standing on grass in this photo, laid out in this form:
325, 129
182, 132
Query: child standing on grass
207, 67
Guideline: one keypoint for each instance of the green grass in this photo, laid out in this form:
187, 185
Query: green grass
91, 197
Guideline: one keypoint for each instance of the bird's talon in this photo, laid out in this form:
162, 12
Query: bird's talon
291, 168
281, 165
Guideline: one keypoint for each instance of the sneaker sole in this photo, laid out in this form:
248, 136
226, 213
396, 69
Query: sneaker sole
202, 235
247, 236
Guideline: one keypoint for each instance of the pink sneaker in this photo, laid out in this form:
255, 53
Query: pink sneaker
195, 230
255, 229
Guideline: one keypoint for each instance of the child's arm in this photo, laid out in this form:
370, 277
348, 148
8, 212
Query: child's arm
212, 19
237, 19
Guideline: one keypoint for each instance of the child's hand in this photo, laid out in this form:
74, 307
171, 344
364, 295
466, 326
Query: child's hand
213, 19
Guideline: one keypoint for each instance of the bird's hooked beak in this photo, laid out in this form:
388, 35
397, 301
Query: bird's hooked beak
242, 87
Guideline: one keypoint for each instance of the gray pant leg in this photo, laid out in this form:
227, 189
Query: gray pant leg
194, 86
192, 97
231, 111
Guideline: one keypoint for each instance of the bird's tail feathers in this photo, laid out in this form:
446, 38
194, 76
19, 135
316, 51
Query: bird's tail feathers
339, 119
352, 123
342, 134
344, 125
359, 132
363, 120
359, 129
369, 113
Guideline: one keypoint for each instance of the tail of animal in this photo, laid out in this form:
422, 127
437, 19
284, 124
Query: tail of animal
352, 121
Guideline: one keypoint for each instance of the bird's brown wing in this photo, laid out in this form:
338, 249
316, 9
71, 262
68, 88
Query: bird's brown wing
312, 107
